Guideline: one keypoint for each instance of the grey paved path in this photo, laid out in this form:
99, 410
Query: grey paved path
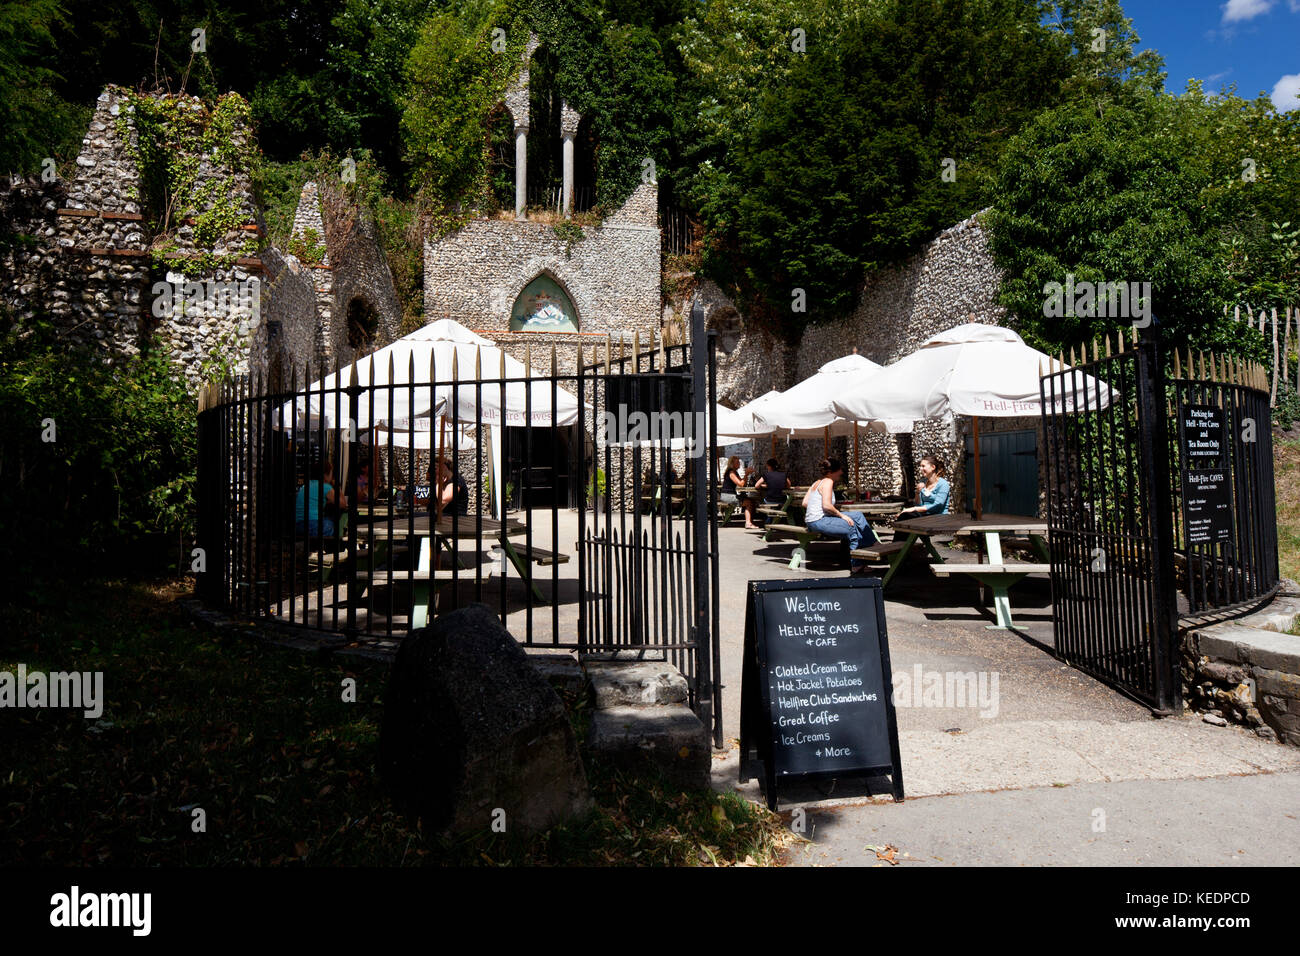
1222, 821
1052, 745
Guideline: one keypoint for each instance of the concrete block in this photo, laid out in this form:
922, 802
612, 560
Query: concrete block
1280, 615
618, 684
562, 670
1213, 643
668, 738
1233, 642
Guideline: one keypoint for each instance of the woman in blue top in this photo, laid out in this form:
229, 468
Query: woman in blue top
932, 491
820, 513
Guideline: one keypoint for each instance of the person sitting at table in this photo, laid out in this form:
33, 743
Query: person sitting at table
453, 492
731, 480
313, 498
932, 491
820, 513
363, 483
772, 484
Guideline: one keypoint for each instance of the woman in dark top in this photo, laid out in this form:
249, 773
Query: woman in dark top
773, 484
453, 493
731, 480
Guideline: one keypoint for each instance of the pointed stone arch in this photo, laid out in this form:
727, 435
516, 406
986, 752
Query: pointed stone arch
560, 314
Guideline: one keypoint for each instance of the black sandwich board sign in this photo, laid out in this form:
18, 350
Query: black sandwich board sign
816, 695
1207, 486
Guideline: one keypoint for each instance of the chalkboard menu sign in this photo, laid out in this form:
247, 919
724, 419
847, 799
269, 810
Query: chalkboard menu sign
1207, 487
816, 687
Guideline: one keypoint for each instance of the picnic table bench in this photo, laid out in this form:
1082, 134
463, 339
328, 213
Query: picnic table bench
997, 574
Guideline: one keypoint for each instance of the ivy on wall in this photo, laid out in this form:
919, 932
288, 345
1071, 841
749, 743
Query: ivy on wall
175, 138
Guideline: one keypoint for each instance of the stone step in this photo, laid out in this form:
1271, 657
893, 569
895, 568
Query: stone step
619, 683
667, 737
562, 670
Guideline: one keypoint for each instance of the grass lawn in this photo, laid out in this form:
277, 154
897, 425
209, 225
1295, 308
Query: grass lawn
1286, 456
260, 739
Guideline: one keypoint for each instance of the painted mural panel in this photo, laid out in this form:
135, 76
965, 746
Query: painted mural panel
543, 307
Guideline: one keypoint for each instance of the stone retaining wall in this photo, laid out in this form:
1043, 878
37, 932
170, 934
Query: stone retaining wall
1247, 671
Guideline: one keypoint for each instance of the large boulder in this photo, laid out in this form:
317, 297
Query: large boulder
471, 729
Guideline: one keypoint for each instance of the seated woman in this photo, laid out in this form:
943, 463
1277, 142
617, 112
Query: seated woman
453, 492
731, 480
820, 513
363, 482
932, 491
313, 497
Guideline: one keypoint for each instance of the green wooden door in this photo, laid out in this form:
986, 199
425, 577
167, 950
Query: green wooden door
1008, 472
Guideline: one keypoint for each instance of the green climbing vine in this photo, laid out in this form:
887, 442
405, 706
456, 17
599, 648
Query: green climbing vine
308, 247
173, 136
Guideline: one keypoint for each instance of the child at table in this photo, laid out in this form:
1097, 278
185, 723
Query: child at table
932, 491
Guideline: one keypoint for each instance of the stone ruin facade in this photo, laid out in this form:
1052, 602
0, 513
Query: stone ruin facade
83, 253
91, 266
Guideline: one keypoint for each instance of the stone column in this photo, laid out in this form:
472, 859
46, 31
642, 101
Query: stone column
521, 170
569, 119
517, 106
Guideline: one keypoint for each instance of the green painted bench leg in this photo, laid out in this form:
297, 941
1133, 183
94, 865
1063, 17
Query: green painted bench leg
420, 591
1000, 584
522, 567
896, 559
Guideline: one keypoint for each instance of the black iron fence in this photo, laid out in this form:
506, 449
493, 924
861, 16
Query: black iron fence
1149, 521
322, 503
1221, 471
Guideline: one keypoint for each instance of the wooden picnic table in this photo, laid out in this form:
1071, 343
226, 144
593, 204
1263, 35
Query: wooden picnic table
462, 527
998, 575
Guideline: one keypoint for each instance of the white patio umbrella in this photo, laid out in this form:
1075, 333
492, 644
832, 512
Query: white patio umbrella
972, 369
804, 410
448, 351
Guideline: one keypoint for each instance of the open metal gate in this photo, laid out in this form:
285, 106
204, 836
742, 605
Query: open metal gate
1110, 522
648, 542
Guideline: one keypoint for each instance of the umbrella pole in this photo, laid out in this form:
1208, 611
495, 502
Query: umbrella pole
773, 455
826, 442
979, 506
857, 462
437, 477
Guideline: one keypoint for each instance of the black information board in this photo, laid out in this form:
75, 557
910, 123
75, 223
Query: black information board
816, 689
1207, 486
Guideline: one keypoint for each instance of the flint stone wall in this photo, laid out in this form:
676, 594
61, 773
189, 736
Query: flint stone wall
475, 274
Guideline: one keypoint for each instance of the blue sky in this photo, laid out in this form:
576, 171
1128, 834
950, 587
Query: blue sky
1252, 43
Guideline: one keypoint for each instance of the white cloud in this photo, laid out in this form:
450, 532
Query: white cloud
1286, 93
1235, 11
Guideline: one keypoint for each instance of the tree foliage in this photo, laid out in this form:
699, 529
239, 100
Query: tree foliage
94, 458
819, 165
1190, 193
